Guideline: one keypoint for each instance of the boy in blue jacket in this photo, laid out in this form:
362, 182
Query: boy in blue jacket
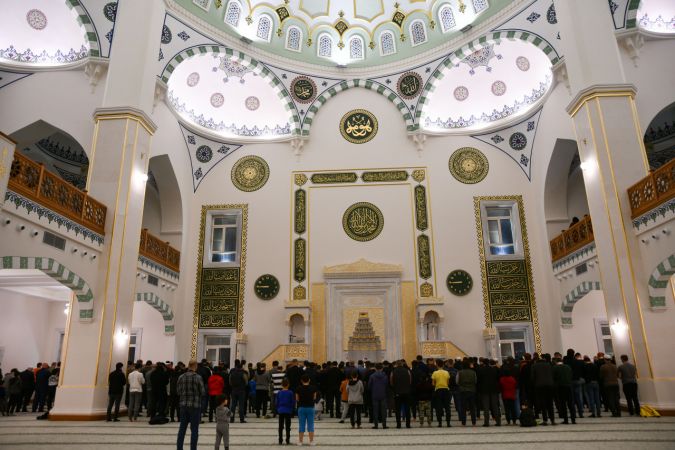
285, 403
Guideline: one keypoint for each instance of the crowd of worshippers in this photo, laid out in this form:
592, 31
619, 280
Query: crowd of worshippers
537, 386
33, 388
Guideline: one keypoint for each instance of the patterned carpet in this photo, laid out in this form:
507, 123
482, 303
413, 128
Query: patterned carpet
24, 432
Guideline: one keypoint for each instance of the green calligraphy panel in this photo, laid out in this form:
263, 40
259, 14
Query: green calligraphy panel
300, 257
219, 298
424, 256
300, 211
421, 208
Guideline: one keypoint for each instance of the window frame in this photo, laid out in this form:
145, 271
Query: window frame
269, 32
208, 236
318, 45
518, 251
600, 337
525, 327
288, 35
227, 9
393, 40
426, 33
440, 19
205, 8
362, 42
475, 10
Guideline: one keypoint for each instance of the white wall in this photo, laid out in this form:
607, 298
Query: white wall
28, 329
581, 337
155, 345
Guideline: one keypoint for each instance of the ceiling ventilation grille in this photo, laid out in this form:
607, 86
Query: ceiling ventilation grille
54, 240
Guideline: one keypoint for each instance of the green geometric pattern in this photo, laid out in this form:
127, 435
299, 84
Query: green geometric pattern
658, 282
84, 19
160, 305
250, 63
59, 272
631, 14
459, 55
573, 297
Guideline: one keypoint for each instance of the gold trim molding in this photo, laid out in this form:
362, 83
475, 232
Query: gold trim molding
599, 90
362, 267
126, 112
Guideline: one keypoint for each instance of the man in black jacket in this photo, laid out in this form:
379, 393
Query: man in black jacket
116, 382
488, 389
159, 380
27, 387
401, 382
238, 383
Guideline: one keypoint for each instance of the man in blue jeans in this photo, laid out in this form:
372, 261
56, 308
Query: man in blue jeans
190, 389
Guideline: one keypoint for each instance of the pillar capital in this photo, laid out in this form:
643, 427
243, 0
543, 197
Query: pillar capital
126, 112
597, 91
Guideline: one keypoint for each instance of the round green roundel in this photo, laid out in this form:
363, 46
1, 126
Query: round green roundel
358, 126
459, 282
363, 221
266, 287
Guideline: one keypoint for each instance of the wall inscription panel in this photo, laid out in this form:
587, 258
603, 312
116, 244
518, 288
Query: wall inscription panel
219, 298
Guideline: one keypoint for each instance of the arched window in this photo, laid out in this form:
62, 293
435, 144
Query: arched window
447, 18
387, 43
418, 32
294, 39
264, 28
233, 13
325, 48
356, 48
480, 5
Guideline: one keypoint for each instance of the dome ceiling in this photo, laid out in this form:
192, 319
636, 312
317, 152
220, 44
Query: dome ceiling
40, 33
657, 16
225, 98
346, 32
500, 81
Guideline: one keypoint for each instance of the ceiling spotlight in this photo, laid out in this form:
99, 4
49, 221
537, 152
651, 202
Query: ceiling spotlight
245, 40
466, 28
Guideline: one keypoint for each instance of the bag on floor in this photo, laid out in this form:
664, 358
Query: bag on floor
159, 420
527, 418
648, 411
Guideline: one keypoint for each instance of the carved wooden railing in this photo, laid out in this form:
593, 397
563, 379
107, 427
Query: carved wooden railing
33, 181
653, 190
153, 248
578, 235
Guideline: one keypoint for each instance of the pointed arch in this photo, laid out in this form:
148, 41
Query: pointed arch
573, 297
162, 307
366, 84
356, 48
60, 273
325, 47
88, 24
264, 30
658, 282
457, 56
233, 13
256, 66
447, 18
294, 38
418, 32
387, 43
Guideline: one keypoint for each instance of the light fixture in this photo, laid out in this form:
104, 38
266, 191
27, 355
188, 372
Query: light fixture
586, 166
141, 177
618, 327
121, 336
66, 309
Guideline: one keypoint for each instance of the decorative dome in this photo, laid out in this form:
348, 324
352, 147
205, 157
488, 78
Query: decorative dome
41, 33
222, 96
350, 32
494, 84
657, 16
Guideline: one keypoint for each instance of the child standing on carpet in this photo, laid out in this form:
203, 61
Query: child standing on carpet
222, 422
285, 403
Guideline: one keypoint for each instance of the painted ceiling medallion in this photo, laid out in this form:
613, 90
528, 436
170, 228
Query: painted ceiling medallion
461, 93
523, 63
358, 126
363, 221
204, 154
480, 58
193, 79
468, 165
518, 141
303, 89
409, 85
217, 100
36, 19
252, 103
250, 173
498, 88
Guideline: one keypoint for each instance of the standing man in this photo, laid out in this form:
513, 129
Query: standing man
116, 382
609, 377
401, 382
377, 384
488, 387
440, 378
190, 389
238, 384
628, 376
136, 382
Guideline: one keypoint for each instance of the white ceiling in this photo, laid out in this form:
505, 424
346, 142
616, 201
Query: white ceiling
34, 283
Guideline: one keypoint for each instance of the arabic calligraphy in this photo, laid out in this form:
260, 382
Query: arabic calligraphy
520, 298
505, 268
507, 283
300, 259
335, 177
511, 314
384, 176
409, 85
424, 256
300, 211
421, 208
358, 126
303, 89
219, 298
363, 221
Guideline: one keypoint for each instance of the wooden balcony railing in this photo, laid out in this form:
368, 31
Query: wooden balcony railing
32, 180
153, 248
653, 190
578, 235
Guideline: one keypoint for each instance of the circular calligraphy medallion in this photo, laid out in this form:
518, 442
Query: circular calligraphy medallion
217, 100
36, 19
250, 173
193, 79
303, 89
204, 154
523, 63
498, 88
363, 221
461, 93
252, 103
358, 126
518, 141
468, 165
409, 85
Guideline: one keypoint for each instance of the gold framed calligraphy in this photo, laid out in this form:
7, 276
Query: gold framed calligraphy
303, 89
409, 85
363, 221
358, 126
